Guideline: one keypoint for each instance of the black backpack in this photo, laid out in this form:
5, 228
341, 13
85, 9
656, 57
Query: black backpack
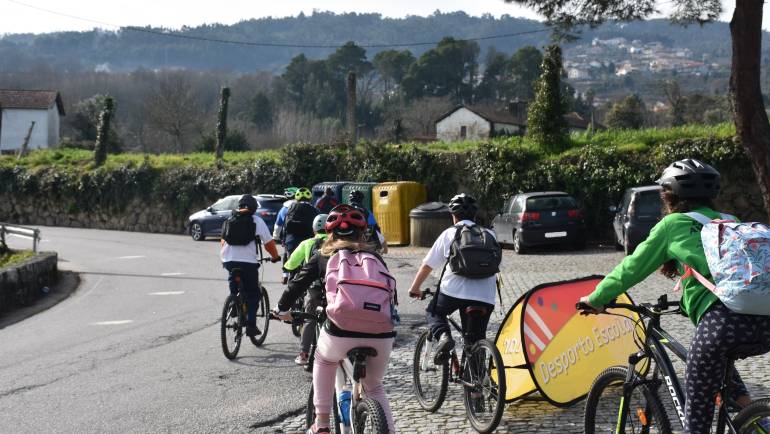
474, 253
299, 220
239, 229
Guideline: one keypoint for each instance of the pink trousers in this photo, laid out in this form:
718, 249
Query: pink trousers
330, 351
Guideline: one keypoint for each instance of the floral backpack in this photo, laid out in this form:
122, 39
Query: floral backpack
738, 256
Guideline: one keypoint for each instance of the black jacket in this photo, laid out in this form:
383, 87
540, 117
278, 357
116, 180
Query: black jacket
311, 272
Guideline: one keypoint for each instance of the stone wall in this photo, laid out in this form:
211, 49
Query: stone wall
23, 283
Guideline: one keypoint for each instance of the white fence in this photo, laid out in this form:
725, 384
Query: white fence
20, 231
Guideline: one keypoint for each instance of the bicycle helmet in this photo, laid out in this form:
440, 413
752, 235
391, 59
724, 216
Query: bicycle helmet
691, 179
248, 201
345, 220
356, 196
290, 192
319, 223
463, 206
303, 194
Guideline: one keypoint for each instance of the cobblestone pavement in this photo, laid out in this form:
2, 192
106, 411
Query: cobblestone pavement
532, 414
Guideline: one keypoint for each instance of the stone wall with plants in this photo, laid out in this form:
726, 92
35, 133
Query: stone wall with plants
23, 283
155, 198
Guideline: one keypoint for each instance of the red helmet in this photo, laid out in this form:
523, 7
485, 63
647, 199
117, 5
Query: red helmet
345, 220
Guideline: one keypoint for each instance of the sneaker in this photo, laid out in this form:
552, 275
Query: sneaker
301, 359
314, 430
444, 345
252, 331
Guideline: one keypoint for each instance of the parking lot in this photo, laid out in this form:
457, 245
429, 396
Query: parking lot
520, 273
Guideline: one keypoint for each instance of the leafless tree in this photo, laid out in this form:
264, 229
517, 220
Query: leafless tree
174, 109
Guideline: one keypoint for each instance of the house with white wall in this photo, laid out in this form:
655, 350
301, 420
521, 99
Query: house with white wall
20, 108
466, 123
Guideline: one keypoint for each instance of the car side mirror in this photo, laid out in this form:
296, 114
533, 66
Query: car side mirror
613, 209
210, 209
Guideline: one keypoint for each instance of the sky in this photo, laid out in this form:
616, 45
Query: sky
17, 18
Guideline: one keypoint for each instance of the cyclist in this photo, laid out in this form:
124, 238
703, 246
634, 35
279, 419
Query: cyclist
279, 219
455, 292
346, 227
245, 258
300, 256
374, 233
690, 185
326, 202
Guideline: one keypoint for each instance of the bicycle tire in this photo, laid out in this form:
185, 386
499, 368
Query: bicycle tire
429, 402
492, 389
614, 378
310, 412
313, 347
745, 420
227, 322
262, 317
370, 418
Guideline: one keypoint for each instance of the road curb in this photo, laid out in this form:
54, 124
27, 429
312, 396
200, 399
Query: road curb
68, 282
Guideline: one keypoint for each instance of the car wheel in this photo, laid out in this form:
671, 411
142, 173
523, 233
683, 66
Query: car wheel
196, 231
518, 246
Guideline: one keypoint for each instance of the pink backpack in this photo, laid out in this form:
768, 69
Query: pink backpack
360, 292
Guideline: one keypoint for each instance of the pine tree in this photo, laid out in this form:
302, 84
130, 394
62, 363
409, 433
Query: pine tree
103, 132
546, 125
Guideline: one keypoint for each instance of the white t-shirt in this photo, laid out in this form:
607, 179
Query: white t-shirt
247, 253
458, 286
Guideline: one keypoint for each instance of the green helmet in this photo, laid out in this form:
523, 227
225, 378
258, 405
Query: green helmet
303, 194
289, 192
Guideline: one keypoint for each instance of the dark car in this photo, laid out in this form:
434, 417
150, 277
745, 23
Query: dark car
540, 218
208, 222
638, 212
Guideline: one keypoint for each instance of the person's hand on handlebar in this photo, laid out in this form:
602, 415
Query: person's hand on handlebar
586, 307
414, 292
275, 259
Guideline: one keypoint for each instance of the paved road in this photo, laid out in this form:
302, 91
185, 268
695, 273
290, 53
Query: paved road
82, 367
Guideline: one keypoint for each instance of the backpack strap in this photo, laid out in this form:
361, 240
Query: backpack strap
700, 218
691, 272
443, 270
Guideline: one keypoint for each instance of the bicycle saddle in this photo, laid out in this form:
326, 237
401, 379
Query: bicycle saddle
362, 353
747, 350
476, 310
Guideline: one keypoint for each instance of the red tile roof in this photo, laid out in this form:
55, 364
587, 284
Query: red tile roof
31, 99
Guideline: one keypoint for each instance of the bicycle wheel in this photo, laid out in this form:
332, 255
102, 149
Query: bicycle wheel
430, 381
754, 418
231, 330
262, 317
484, 391
369, 418
645, 411
310, 412
313, 346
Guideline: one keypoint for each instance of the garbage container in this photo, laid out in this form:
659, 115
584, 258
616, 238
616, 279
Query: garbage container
318, 190
391, 203
364, 187
427, 222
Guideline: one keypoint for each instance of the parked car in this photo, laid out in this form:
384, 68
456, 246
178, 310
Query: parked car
208, 222
540, 218
637, 213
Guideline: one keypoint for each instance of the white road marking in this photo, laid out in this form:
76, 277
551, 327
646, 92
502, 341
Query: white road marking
119, 322
167, 293
131, 257
171, 274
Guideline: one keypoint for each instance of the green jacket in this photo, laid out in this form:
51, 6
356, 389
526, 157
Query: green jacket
302, 253
677, 237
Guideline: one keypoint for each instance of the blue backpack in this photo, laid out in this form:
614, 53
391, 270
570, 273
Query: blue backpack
738, 256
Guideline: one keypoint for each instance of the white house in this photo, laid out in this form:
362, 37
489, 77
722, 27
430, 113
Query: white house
19, 108
465, 123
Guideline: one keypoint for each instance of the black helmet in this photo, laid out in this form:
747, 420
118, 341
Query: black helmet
690, 179
463, 206
356, 196
247, 201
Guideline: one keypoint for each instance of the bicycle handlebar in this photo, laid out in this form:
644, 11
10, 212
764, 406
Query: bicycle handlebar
643, 309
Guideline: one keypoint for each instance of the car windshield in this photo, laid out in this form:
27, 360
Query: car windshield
271, 204
648, 203
548, 203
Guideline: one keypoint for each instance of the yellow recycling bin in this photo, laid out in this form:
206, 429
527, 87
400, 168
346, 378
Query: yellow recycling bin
392, 202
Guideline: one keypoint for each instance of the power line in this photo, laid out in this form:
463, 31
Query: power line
272, 44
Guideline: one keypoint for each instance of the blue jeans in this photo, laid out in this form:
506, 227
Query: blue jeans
442, 305
250, 282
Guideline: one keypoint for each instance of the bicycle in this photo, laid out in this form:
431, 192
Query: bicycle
366, 415
233, 319
480, 371
624, 389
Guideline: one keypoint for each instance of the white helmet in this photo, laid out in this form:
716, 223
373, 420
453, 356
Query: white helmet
319, 222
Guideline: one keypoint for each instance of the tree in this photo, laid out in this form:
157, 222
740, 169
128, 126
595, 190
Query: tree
174, 108
85, 122
222, 122
102, 133
449, 69
260, 111
524, 70
676, 101
392, 65
750, 118
628, 113
545, 118
234, 141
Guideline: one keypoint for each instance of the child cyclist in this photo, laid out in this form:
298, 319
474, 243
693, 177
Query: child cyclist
346, 227
300, 256
690, 186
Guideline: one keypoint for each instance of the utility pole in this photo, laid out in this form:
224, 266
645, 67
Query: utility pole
352, 124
